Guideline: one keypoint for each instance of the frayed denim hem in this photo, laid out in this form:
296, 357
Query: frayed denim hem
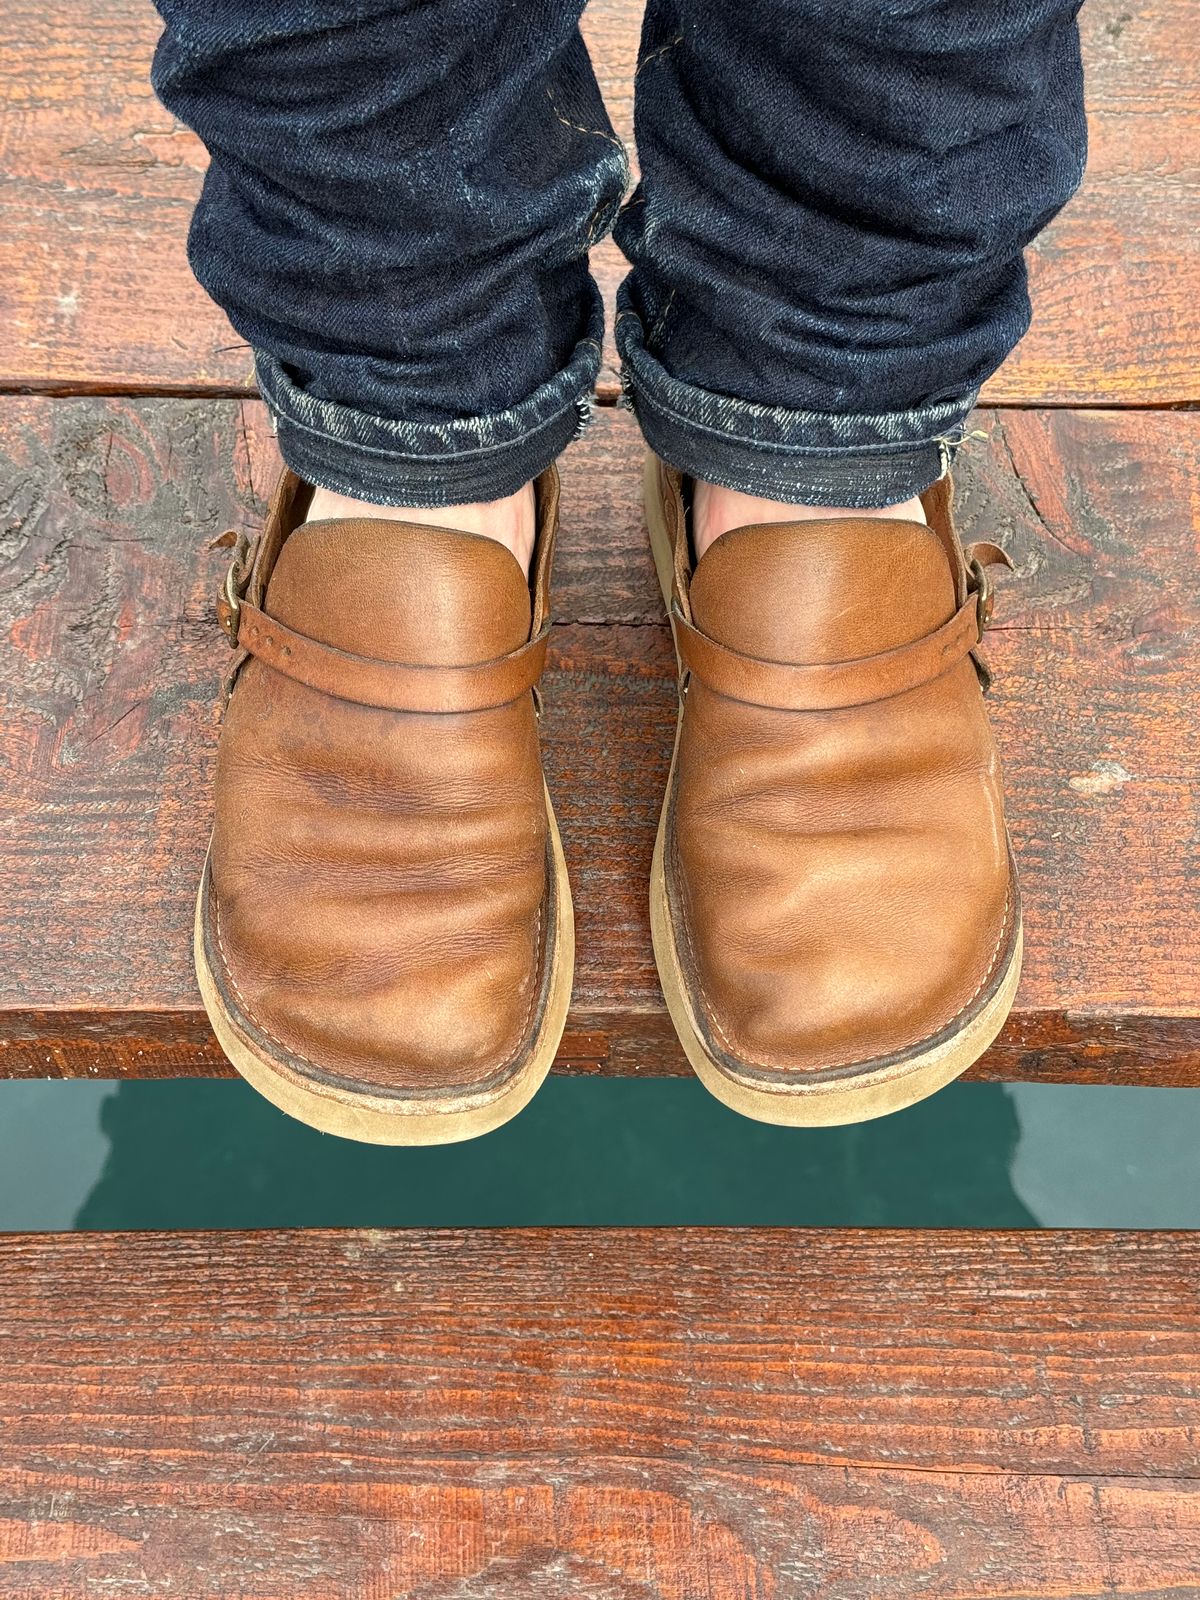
390, 462
801, 457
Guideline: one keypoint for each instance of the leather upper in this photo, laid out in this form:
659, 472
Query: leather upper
378, 870
838, 863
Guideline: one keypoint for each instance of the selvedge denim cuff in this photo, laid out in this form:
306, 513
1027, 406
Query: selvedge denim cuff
803, 457
391, 462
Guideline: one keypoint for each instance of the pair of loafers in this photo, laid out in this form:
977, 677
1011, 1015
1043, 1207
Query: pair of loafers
384, 938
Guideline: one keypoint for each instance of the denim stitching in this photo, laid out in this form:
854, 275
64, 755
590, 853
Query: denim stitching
593, 226
643, 396
660, 51
600, 133
600, 223
660, 321
351, 445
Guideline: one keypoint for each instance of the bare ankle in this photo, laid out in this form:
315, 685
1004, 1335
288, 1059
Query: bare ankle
716, 510
510, 521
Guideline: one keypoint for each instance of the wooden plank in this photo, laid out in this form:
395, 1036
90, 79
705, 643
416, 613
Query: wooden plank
99, 183
109, 684
601, 1414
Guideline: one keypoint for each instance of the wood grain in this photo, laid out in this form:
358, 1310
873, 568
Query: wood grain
109, 689
609, 1415
99, 182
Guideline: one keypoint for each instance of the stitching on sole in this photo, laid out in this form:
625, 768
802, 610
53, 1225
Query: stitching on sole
291, 1050
848, 1066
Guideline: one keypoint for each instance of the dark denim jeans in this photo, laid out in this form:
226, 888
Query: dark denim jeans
826, 240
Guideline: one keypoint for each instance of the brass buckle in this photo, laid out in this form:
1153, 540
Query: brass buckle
981, 588
229, 607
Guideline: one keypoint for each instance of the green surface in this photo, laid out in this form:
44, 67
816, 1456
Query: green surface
207, 1154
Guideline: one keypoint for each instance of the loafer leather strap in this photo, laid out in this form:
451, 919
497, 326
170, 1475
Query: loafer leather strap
391, 685
826, 687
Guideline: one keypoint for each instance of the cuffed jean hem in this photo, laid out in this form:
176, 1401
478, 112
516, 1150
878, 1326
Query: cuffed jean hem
800, 457
393, 463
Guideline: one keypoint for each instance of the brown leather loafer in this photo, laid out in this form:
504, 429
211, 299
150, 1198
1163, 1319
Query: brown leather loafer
834, 904
384, 939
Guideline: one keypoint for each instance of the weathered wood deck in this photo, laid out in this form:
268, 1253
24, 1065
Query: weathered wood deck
693, 1415
596, 1415
110, 679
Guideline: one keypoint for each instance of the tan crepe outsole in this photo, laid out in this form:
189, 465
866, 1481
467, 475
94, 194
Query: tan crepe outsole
902, 1083
380, 1119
